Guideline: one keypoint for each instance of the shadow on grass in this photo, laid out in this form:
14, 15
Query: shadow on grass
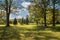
9, 33
57, 28
15, 33
33, 34
40, 36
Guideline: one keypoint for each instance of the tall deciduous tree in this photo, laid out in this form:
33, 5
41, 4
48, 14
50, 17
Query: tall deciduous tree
40, 8
54, 7
36, 11
45, 4
8, 10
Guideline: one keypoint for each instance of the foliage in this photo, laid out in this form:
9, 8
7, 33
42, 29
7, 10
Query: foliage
9, 33
15, 21
6, 6
42, 12
22, 21
27, 20
34, 10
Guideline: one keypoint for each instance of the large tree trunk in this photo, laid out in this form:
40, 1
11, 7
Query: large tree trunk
44, 11
8, 10
54, 13
45, 17
7, 14
7, 20
54, 17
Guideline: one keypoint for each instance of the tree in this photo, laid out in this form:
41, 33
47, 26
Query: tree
57, 17
22, 21
54, 12
8, 10
15, 21
45, 4
2, 9
39, 9
27, 20
6, 6
54, 2
36, 11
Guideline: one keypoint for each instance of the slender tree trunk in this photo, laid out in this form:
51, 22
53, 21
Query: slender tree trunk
54, 13
7, 19
45, 17
53, 17
45, 14
44, 11
37, 23
7, 14
8, 10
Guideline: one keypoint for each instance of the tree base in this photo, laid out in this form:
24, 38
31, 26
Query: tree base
7, 26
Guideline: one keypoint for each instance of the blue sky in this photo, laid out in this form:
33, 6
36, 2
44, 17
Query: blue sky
22, 6
19, 15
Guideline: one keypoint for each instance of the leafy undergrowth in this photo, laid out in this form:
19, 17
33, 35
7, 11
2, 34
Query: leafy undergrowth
9, 33
21, 33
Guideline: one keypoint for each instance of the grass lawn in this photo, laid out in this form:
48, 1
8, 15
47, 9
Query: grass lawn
30, 26
27, 32
13, 33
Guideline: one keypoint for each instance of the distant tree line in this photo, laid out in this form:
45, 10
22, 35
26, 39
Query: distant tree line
21, 21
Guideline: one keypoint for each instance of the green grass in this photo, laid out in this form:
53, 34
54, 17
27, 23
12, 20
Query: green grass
30, 26
28, 32
9, 33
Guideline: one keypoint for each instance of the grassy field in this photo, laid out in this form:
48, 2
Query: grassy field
27, 32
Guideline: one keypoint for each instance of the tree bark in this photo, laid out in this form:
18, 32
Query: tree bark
7, 19
45, 14
54, 13
8, 10
53, 18
7, 14
44, 11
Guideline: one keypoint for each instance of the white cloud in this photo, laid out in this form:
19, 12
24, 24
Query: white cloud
25, 4
19, 17
15, 10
